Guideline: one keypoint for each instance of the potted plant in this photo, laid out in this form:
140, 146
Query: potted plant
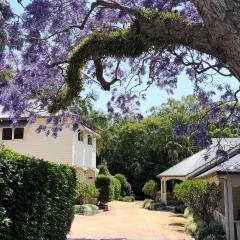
94, 193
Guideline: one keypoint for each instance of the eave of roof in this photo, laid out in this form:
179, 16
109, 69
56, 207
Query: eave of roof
197, 164
84, 123
231, 166
213, 163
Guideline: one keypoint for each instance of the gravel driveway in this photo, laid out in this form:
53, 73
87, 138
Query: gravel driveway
128, 221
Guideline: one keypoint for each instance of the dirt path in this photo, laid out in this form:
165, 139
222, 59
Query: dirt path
128, 221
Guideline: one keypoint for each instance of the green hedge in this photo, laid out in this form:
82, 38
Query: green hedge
117, 188
36, 199
124, 183
105, 186
103, 170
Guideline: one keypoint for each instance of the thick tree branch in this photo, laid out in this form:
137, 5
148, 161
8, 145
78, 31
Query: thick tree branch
99, 74
221, 19
110, 5
151, 30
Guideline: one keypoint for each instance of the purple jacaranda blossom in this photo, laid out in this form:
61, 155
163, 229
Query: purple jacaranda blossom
45, 34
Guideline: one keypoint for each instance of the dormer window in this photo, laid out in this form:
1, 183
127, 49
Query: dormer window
80, 136
89, 140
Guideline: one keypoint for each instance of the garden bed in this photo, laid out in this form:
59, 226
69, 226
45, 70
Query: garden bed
86, 209
90, 209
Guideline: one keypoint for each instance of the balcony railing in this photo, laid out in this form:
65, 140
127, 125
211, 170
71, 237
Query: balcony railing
220, 218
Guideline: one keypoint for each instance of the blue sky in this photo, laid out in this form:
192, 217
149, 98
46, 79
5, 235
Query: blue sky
155, 96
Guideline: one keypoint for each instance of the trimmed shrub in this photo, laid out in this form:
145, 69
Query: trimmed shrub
201, 197
117, 188
86, 191
105, 186
122, 179
124, 183
150, 188
103, 170
37, 198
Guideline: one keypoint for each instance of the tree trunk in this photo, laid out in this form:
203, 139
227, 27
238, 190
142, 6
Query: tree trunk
222, 20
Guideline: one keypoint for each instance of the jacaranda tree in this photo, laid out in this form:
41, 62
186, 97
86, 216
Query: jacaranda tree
55, 47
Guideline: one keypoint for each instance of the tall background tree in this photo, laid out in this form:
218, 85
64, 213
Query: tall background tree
142, 150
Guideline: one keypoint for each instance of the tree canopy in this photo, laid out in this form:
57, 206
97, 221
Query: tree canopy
55, 48
142, 150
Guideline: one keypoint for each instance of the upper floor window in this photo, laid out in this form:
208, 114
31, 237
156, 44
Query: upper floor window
18, 133
90, 141
80, 136
9, 133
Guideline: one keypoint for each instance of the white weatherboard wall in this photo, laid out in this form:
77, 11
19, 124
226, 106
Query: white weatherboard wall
84, 155
39, 145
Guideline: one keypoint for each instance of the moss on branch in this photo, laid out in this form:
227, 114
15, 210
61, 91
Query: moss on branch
127, 43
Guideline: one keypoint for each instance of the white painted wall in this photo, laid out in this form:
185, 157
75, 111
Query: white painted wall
39, 145
65, 149
84, 155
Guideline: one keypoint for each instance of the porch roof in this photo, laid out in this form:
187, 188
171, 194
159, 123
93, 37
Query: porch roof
182, 168
231, 166
203, 160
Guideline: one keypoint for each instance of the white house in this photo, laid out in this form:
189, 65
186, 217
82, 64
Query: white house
210, 167
77, 149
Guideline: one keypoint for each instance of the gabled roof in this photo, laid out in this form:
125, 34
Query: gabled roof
5, 120
203, 160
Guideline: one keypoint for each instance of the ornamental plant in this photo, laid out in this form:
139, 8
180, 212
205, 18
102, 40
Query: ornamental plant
86, 191
150, 188
201, 197
51, 50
